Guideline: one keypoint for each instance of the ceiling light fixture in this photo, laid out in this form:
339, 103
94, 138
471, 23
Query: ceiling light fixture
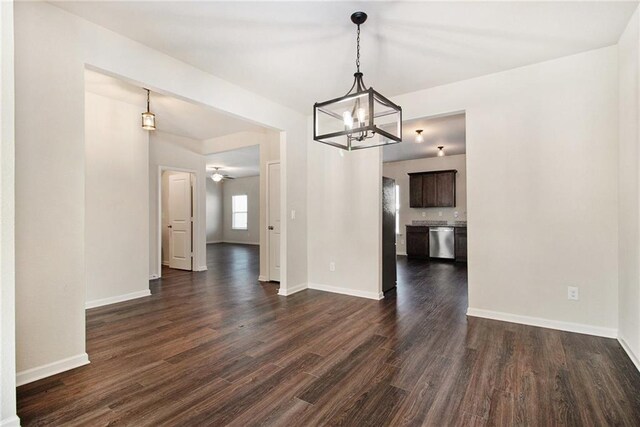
148, 118
419, 137
440, 150
362, 118
216, 176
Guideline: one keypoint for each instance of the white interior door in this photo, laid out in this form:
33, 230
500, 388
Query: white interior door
273, 172
180, 220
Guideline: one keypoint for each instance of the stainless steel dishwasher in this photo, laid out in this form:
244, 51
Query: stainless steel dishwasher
441, 242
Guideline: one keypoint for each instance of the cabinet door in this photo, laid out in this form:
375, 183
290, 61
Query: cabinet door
446, 189
429, 191
417, 245
415, 191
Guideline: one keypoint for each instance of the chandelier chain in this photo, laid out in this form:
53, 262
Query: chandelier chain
358, 50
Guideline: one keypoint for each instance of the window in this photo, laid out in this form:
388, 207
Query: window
239, 212
397, 209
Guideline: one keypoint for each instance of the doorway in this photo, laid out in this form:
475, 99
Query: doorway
429, 170
177, 207
242, 218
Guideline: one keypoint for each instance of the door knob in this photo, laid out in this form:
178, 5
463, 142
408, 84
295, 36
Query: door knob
271, 227
170, 226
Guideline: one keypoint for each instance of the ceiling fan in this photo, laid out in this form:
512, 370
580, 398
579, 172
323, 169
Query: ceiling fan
217, 176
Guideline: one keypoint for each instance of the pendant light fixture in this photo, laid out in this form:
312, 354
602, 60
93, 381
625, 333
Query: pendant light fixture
148, 118
440, 150
362, 118
419, 137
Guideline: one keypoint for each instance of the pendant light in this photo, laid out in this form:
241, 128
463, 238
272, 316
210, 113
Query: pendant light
148, 118
419, 137
440, 150
362, 118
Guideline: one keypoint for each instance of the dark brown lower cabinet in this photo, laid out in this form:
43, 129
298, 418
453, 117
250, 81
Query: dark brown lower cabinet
460, 242
417, 242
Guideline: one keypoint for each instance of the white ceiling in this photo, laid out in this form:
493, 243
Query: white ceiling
298, 53
173, 115
236, 163
448, 131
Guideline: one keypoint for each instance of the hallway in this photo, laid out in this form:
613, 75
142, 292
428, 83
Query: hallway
218, 347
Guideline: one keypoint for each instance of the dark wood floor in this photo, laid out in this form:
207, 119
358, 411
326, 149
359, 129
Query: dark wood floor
217, 348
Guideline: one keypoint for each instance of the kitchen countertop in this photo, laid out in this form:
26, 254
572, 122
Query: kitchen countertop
431, 223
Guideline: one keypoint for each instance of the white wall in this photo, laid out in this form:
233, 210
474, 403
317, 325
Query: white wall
7, 221
174, 153
251, 187
214, 211
269, 142
628, 195
52, 48
400, 170
541, 194
116, 197
541, 188
345, 220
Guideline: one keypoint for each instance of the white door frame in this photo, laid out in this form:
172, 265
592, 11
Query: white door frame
195, 237
268, 220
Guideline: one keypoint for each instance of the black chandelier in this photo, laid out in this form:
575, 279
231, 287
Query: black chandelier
362, 118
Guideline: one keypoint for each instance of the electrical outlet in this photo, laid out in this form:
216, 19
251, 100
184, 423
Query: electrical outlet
402, 241
455, 214
439, 213
424, 214
293, 214
572, 293
332, 266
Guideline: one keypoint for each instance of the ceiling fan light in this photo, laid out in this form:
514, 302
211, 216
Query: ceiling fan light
216, 177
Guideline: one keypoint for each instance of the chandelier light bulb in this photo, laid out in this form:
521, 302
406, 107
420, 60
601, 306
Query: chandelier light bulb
348, 119
362, 116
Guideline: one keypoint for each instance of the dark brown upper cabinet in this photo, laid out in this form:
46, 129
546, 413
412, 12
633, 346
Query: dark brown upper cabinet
415, 191
436, 189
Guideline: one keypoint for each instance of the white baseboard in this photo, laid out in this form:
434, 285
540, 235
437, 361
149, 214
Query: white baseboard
35, 374
241, 243
263, 278
634, 358
346, 291
401, 253
201, 268
165, 263
12, 421
292, 289
544, 323
214, 242
118, 298
154, 277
